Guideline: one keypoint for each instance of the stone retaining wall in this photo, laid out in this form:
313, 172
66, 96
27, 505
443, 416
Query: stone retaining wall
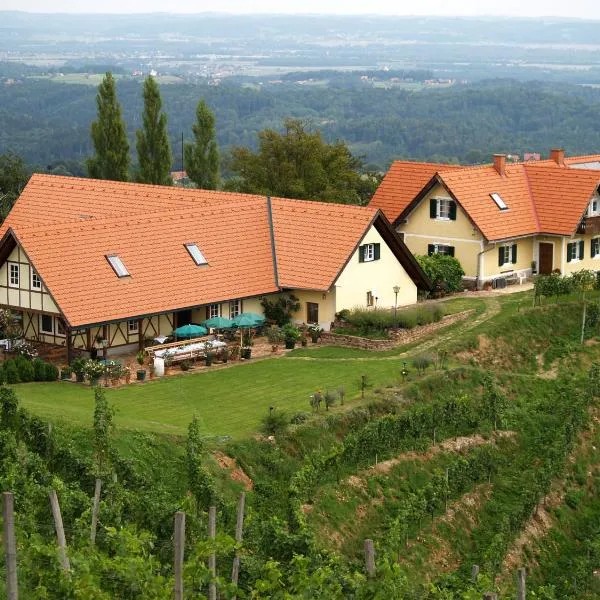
400, 337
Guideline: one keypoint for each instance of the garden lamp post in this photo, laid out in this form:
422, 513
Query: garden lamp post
396, 292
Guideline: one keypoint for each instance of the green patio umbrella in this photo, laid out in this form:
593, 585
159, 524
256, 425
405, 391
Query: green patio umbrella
190, 331
219, 323
248, 320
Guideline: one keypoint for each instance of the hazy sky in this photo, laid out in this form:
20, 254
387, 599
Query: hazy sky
529, 8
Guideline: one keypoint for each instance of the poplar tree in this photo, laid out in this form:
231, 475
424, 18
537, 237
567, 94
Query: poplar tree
153, 147
109, 136
201, 158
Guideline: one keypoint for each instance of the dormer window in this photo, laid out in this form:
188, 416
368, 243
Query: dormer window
594, 207
117, 264
196, 254
499, 202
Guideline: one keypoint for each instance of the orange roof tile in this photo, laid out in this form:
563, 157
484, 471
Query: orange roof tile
147, 227
402, 183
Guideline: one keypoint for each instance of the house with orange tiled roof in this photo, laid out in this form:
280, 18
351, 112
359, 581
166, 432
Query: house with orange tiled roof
82, 259
501, 220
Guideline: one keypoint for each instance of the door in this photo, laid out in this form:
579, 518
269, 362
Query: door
312, 312
546, 258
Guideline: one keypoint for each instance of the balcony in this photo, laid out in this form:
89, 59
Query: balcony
589, 225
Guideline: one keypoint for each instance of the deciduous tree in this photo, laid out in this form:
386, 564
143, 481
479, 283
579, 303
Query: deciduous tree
13, 178
201, 158
109, 136
153, 147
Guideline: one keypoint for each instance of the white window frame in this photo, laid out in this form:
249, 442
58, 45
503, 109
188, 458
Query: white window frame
214, 310
57, 326
591, 212
574, 260
370, 298
446, 204
118, 266
507, 251
36, 280
436, 248
196, 254
596, 237
133, 326
45, 331
235, 308
368, 252
12, 281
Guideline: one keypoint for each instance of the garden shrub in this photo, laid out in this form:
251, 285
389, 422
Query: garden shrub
274, 423
11, 374
39, 369
299, 418
25, 369
280, 308
50, 372
445, 272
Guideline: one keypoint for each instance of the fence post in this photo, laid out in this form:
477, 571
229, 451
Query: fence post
474, 573
60, 531
235, 571
521, 587
370, 558
10, 545
179, 549
212, 559
95, 509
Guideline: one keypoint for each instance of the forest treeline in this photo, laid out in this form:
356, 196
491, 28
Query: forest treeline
49, 123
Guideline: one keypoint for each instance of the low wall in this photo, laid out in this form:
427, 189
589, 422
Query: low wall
400, 337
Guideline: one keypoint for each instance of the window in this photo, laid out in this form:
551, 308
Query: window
594, 208
443, 209
13, 274
196, 255
440, 249
595, 247
235, 308
575, 251
369, 252
132, 326
370, 299
46, 324
214, 310
60, 327
499, 202
36, 282
507, 255
312, 312
117, 264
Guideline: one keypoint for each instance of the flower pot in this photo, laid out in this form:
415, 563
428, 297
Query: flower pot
246, 353
314, 339
141, 374
79, 377
290, 344
208, 360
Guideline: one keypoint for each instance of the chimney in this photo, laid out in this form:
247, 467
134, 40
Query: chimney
500, 163
558, 156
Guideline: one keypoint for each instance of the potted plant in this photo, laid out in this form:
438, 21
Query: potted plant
274, 336
140, 373
115, 372
93, 371
185, 365
127, 372
77, 367
225, 354
291, 335
247, 343
533, 267
235, 352
315, 332
208, 353
65, 373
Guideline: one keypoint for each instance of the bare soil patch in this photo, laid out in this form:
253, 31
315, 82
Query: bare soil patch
235, 473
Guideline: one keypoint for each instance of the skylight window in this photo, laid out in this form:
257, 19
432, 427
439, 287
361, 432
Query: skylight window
499, 202
196, 255
117, 264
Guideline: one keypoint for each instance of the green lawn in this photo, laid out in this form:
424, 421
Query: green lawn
227, 401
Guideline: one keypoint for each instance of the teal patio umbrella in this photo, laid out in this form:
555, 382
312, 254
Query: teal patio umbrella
248, 320
219, 323
190, 331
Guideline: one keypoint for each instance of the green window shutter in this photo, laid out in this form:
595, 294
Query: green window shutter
500, 256
450, 250
569, 252
581, 249
433, 208
430, 249
376, 251
514, 254
361, 254
453, 211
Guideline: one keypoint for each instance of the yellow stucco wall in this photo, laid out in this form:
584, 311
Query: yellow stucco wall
525, 254
378, 276
576, 265
420, 230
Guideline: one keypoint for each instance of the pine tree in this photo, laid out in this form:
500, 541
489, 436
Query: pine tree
153, 147
109, 136
202, 157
